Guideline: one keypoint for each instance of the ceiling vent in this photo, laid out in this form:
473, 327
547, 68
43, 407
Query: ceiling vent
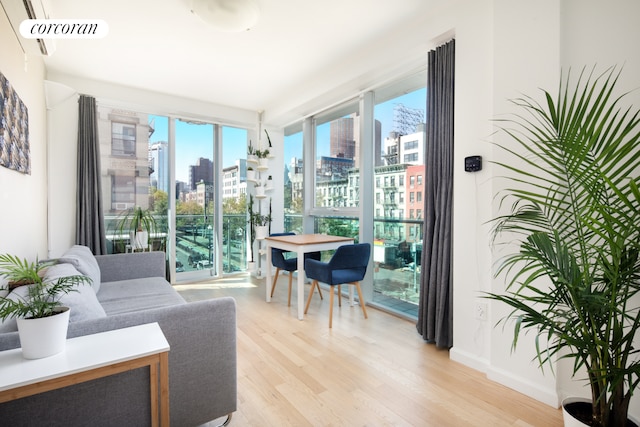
29, 9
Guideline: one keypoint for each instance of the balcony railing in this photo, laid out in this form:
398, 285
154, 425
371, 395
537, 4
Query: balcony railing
397, 248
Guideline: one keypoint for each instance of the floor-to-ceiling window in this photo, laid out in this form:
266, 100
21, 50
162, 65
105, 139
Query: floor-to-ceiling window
158, 164
397, 142
195, 183
398, 199
293, 179
234, 199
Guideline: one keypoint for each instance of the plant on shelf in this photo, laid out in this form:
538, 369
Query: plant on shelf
262, 154
138, 225
43, 297
261, 220
575, 212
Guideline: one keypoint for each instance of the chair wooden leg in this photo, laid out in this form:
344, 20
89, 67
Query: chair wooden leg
364, 310
275, 279
339, 295
319, 292
290, 280
313, 285
330, 305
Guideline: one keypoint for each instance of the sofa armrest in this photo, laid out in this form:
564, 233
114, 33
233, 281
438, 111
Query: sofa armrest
131, 266
202, 373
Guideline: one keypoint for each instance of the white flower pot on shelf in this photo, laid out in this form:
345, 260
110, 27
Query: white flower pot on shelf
263, 164
251, 175
252, 158
262, 231
44, 336
260, 191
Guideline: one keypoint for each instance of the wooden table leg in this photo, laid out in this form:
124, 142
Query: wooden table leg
164, 389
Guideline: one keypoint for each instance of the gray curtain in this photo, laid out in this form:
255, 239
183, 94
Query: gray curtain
435, 312
89, 218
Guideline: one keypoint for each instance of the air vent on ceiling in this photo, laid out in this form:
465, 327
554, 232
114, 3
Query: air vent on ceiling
29, 9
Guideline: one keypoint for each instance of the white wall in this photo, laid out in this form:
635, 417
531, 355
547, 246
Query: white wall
23, 198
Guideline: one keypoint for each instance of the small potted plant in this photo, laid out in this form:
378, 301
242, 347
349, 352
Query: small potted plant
262, 225
41, 318
251, 174
251, 154
138, 225
259, 189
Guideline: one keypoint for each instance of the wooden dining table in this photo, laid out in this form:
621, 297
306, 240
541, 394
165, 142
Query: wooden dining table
301, 244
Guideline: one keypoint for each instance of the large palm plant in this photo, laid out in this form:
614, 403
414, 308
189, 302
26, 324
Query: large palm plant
575, 213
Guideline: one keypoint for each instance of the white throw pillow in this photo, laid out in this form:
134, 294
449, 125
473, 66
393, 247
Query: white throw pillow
83, 304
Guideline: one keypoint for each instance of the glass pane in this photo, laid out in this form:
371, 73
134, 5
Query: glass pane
132, 162
195, 225
337, 160
398, 201
293, 182
234, 199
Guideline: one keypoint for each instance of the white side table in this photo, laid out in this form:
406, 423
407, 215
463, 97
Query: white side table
89, 357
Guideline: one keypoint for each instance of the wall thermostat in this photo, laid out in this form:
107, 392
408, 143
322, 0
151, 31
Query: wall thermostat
473, 163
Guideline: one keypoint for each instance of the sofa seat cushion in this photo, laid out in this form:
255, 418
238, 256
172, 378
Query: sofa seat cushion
126, 296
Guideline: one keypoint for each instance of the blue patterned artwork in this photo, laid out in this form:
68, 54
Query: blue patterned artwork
14, 130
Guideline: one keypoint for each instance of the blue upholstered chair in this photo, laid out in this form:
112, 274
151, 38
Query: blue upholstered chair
279, 261
348, 265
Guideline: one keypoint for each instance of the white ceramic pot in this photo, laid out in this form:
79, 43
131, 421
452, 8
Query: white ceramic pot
568, 418
261, 231
43, 337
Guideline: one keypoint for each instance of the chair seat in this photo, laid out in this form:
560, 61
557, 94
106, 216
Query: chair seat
348, 265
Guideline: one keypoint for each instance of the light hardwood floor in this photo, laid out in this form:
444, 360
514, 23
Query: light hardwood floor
374, 372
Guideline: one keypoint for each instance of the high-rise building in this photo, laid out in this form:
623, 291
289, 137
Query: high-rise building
342, 140
159, 165
201, 171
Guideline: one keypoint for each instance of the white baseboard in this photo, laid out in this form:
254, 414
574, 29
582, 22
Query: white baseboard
524, 386
521, 385
468, 359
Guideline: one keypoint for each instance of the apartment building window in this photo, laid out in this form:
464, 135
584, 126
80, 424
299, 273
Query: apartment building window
411, 197
411, 145
123, 192
419, 196
401, 180
419, 179
412, 181
377, 182
123, 139
401, 197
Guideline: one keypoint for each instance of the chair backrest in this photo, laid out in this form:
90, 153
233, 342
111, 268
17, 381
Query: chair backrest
352, 257
277, 257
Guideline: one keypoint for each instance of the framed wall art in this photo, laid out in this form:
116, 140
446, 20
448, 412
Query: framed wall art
14, 130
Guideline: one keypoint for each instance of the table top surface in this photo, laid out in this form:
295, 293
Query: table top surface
309, 239
82, 354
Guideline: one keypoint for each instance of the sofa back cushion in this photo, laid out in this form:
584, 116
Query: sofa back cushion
83, 260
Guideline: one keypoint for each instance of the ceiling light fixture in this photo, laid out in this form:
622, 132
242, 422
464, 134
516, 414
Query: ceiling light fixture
229, 16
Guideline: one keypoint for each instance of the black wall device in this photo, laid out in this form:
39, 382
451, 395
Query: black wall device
473, 163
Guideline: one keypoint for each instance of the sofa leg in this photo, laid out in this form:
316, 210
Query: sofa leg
227, 421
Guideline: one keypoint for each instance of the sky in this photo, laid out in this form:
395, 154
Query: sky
196, 140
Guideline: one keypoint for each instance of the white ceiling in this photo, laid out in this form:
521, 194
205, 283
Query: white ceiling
297, 52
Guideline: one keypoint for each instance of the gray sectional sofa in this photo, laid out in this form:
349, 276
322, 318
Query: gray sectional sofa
128, 290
